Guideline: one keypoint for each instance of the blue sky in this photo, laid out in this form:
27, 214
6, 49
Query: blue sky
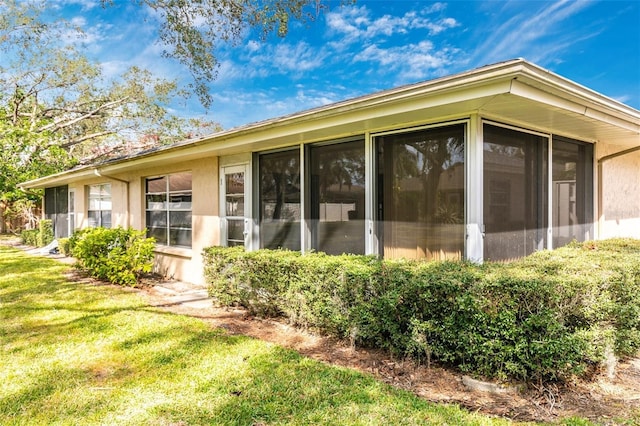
375, 45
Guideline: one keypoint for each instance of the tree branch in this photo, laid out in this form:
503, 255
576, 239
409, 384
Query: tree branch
61, 124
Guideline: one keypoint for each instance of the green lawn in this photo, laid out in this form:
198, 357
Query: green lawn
74, 353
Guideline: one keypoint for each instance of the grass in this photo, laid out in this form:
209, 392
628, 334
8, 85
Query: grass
73, 353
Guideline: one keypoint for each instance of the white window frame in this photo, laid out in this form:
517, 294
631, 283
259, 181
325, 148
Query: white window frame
248, 209
168, 208
100, 199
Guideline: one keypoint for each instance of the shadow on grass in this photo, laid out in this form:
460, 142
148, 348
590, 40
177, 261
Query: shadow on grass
78, 354
281, 387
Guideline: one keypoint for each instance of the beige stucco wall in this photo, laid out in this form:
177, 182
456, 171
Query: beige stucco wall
620, 194
173, 262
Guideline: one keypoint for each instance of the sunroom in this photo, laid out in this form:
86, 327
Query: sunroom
490, 164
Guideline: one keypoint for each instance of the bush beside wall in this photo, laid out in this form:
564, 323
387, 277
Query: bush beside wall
546, 317
64, 246
30, 237
121, 256
38, 237
45, 236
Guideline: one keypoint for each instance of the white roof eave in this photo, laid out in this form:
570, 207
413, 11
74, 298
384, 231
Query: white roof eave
517, 77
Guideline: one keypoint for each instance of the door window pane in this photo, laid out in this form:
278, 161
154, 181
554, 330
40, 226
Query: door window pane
337, 198
235, 230
572, 191
279, 189
515, 193
234, 184
421, 193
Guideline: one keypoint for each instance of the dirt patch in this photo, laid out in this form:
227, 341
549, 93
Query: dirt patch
605, 401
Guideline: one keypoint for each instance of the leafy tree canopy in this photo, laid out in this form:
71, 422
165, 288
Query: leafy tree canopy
58, 109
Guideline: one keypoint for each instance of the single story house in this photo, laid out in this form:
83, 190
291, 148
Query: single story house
489, 164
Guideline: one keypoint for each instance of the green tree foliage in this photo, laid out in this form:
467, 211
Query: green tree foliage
58, 108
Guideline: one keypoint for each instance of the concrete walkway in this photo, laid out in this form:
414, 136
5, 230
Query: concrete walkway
179, 293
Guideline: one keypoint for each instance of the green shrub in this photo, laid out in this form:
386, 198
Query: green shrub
30, 237
546, 317
118, 255
38, 237
63, 246
45, 236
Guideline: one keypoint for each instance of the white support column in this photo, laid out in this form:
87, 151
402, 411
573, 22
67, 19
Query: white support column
550, 204
474, 250
370, 213
305, 230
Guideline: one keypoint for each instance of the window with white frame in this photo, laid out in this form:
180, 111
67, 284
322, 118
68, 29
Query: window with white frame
99, 211
168, 209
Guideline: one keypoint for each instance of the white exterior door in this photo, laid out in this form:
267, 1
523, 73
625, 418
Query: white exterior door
235, 206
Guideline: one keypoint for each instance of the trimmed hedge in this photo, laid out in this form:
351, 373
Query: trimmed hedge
546, 317
121, 256
38, 237
30, 237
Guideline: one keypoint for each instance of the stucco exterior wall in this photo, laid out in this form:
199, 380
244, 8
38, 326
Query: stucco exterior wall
128, 210
620, 194
177, 262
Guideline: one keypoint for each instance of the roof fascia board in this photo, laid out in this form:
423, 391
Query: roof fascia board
526, 91
579, 93
61, 178
223, 142
479, 82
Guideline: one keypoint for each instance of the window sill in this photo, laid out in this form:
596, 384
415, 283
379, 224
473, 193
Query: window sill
174, 251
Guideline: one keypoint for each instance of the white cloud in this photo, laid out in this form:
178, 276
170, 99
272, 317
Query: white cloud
356, 24
409, 62
536, 35
262, 60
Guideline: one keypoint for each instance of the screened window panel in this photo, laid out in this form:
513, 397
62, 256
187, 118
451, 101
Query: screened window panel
421, 189
157, 219
156, 201
180, 201
515, 193
180, 237
105, 219
337, 194
93, 219
279, 189
94, 204
572, 188
156, 185
180, 219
